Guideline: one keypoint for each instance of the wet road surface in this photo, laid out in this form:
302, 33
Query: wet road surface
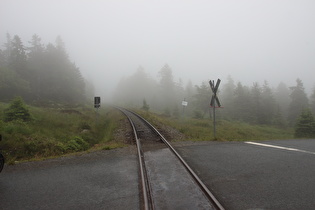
248, 176
172, 186
274, 175
99, 180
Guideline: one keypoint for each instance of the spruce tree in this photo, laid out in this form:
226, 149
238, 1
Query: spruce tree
227, 96
257, 103
167, 86
282, 97
17, 111
299, 101
313, 101
305, 126
145, 106
242, 103
269, 106
201, 100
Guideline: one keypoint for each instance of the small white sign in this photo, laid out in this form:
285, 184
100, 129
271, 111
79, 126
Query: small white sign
184, 103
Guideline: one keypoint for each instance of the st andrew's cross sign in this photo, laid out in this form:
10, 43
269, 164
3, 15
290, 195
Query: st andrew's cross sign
214, 89
214, 100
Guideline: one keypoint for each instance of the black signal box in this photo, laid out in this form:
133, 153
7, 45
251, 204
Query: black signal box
97, 102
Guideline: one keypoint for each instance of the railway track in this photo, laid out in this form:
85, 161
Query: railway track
167, 182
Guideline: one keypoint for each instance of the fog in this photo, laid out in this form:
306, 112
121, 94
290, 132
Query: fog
250, 40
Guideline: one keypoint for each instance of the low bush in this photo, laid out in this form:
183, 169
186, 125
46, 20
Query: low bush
305, 126
198, 114
77, 144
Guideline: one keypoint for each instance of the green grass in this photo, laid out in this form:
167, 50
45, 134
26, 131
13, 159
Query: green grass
202, 129
65, 130
58, 131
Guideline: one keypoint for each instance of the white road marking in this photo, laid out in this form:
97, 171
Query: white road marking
279, 147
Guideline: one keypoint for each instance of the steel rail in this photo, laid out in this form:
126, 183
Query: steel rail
203, 187
146, 192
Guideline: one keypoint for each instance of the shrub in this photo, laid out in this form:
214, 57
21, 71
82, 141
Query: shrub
167, 112
198, 114
305, 126
17, 111
176, 111
77, 144
145, 106
17, 127
85, 126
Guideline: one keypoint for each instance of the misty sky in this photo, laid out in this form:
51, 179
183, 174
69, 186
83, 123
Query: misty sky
251, 40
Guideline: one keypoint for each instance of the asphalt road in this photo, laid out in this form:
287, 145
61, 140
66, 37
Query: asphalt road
99, 180
270, 175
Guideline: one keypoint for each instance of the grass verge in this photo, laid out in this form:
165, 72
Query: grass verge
202, 129
58, 131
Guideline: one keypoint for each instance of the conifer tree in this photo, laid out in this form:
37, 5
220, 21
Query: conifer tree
17, 59
305, 126
282, 97
269, 106
227, 96
39, 73
256, 103
7, 49
145, 106
242, 103
167, 86
17, 111
313, 101
201, 100
299, 101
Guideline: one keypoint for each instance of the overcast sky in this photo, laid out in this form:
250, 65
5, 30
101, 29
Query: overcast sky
251, 40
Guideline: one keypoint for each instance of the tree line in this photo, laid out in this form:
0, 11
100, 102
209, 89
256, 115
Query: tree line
38, 73
255, 104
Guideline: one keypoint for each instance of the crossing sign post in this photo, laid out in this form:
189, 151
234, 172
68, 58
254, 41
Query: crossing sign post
184, 104
214, 100
97, 104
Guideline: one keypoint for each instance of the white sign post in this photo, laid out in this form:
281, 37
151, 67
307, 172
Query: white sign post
184, 104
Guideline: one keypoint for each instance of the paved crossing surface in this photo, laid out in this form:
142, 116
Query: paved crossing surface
100, 180
276, 175
242, 175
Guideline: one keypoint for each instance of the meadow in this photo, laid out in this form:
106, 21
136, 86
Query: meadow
202, 129
60, 130
56, 131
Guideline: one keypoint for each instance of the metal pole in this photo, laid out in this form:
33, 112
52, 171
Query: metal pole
96, 116
214, 136
183, 110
